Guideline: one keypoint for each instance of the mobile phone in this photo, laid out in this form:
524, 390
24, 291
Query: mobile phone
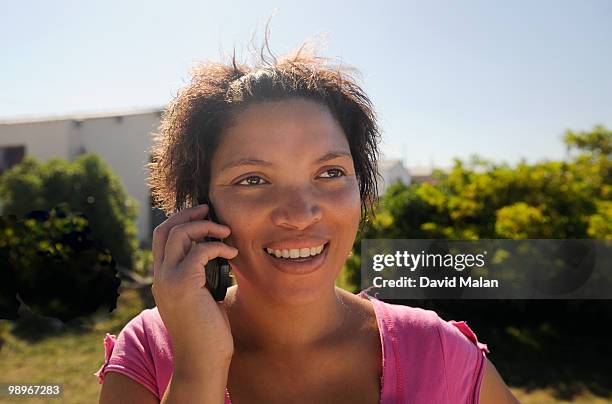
217, 270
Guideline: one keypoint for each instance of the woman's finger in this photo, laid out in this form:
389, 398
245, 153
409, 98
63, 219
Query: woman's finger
160, 234
201, 253
181, 238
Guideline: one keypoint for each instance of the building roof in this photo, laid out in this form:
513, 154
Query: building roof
384, 165
80, 116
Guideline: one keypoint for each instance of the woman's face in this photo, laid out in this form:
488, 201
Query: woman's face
283, 179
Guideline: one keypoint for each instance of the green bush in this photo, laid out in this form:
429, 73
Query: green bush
86, 185
50, 262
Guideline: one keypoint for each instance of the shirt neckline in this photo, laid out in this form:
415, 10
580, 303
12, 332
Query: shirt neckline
381, 330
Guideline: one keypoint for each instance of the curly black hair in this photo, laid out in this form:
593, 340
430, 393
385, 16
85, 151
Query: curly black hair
194, 120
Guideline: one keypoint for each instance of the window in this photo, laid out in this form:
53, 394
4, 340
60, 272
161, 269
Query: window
9, 156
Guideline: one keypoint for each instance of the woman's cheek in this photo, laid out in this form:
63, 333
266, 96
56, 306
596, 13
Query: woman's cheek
346, 200
347, 214
243, 217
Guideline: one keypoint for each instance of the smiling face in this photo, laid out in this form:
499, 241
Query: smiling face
282, 178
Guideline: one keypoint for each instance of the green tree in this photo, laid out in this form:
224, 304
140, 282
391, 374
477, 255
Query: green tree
480, 199
86, 185
598, 141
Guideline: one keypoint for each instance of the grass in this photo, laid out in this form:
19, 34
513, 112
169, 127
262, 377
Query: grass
72, 356
549, 396
69, 358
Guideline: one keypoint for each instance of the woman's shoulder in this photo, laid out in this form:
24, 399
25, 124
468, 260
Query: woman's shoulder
409, 316
403, 318
146, 324
448, 360
416, 321
148, 327
141, 351
151, 319
449, 331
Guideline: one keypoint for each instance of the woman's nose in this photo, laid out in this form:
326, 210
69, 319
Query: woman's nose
297, 211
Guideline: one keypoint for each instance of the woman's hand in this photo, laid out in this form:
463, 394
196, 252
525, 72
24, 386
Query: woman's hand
198, 325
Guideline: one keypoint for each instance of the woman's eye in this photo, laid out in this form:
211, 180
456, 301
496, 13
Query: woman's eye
252, 180
336, 173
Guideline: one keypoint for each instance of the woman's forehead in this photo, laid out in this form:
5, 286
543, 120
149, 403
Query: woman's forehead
291, 128
293, 116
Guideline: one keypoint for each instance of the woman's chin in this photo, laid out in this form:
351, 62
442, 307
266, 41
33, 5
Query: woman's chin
290, 290
292, 282
297, 294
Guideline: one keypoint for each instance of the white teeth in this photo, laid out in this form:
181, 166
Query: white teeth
296, 252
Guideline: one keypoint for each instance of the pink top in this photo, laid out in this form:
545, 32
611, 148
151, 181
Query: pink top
425, 359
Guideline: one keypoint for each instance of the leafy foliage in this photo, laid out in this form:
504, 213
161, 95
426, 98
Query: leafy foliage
86, 185
52, 265
484, 200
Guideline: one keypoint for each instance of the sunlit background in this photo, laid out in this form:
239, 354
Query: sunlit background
448, 78
527, 83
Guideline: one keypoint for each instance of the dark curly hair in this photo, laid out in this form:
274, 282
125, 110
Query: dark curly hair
192, 123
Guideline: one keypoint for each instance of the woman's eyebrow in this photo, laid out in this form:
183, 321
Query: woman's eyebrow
247, 161
333, 155
250, 161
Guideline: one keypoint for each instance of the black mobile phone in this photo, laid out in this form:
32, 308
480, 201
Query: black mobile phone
217, 270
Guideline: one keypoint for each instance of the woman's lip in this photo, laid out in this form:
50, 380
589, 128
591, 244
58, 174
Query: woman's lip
295, 244
324, 244
307, 266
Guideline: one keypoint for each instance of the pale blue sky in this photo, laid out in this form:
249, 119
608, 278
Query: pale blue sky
448, 78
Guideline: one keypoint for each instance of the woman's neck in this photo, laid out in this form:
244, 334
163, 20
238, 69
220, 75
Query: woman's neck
261, 325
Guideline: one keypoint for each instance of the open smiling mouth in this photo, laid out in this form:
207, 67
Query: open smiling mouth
298, 261
297, 254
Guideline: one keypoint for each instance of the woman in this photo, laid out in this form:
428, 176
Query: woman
286, 154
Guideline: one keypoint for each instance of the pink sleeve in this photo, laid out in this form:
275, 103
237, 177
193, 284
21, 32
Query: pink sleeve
464, 361
130, 355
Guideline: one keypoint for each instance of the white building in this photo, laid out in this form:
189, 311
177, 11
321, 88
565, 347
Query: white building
120, 138
392, 171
